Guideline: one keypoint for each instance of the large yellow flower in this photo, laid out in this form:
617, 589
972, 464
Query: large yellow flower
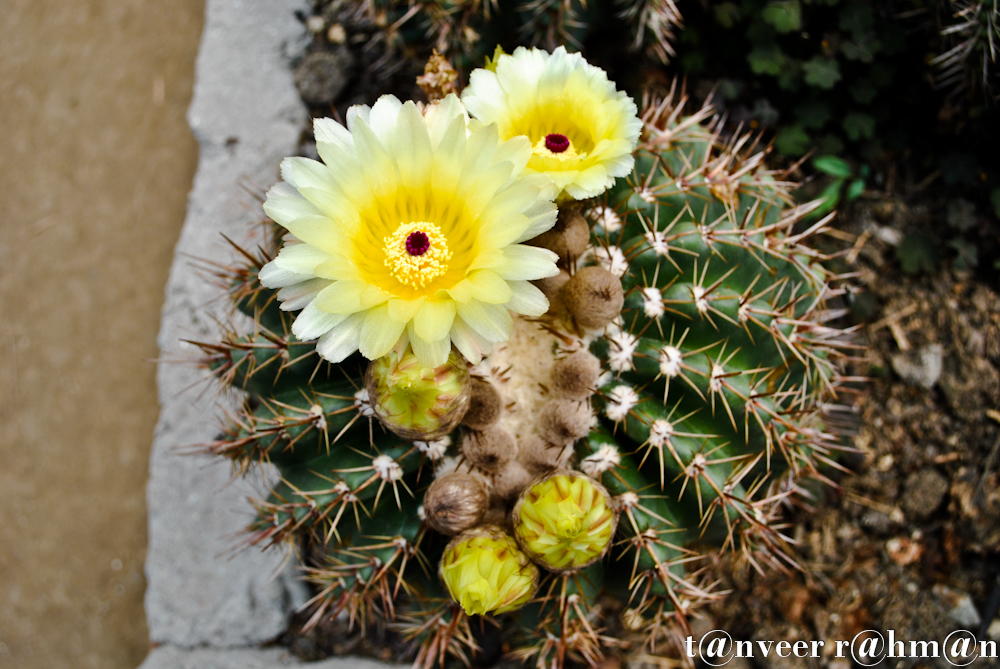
582, 130
410, 229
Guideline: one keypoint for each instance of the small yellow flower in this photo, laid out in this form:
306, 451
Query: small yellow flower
409, 231
486, 572
582, 130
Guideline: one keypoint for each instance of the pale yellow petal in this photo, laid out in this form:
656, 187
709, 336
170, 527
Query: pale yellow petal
341, 297
434, 319
489, 288
379, 333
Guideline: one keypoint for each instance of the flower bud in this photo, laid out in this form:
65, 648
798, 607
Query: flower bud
489, 450
561, 422
568, 238
486, 572
565, 521
593, 297
575, 376
414, 401
485, 405
455, 502
511, 480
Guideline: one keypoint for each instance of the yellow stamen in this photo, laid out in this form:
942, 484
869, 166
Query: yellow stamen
416, 270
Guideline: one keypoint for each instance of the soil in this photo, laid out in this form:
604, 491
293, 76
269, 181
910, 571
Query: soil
97, 163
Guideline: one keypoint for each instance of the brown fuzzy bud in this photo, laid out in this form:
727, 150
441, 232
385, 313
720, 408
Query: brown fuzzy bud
489, 450
562, 421
568, 238
540, 457
497, 513
455, 502
511, 480
484, 405
576, 375
552, 286
593, 297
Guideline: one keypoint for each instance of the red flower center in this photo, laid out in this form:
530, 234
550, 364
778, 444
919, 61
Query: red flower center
556, 143
417, 243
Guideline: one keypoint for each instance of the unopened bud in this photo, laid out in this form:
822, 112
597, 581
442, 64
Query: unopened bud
455, 502
593, 297
486, 572
414, 401
489, 450
484, 405
565, 521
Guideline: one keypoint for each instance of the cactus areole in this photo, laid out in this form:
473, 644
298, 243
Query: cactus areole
667, 394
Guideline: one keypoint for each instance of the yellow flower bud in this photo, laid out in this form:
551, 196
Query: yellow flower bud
486, 572
414, 401
565, 521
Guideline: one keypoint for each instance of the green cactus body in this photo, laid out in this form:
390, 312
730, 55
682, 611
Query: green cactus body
715, 381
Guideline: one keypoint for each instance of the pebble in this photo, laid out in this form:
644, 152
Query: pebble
322, 75
923, 493
958, 605
922, 367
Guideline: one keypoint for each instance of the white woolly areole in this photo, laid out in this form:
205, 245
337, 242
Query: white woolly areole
670, 361
362, 402
621, 351
657, 240
612, 259
607, 218
387, 469
660, 432
606, 458
436, 449
699, 299
646, 194
715, 380
345, 492
697, 465
621, 400
316, 411
626, 500
652, 301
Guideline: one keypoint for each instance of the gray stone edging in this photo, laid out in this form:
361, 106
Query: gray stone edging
168, 657
202, 592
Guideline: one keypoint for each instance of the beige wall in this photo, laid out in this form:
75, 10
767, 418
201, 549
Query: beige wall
95, 163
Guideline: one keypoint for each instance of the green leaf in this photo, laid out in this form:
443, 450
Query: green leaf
784, 15
857, 18
830, 197
967, 258
821, 72
995, 199
767, 59
727, 14
863, 91
961, 214
813, 115
859, 126
834, 166
855, 190
792, 140
918, 253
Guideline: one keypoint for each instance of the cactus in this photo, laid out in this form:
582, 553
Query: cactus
670, 401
